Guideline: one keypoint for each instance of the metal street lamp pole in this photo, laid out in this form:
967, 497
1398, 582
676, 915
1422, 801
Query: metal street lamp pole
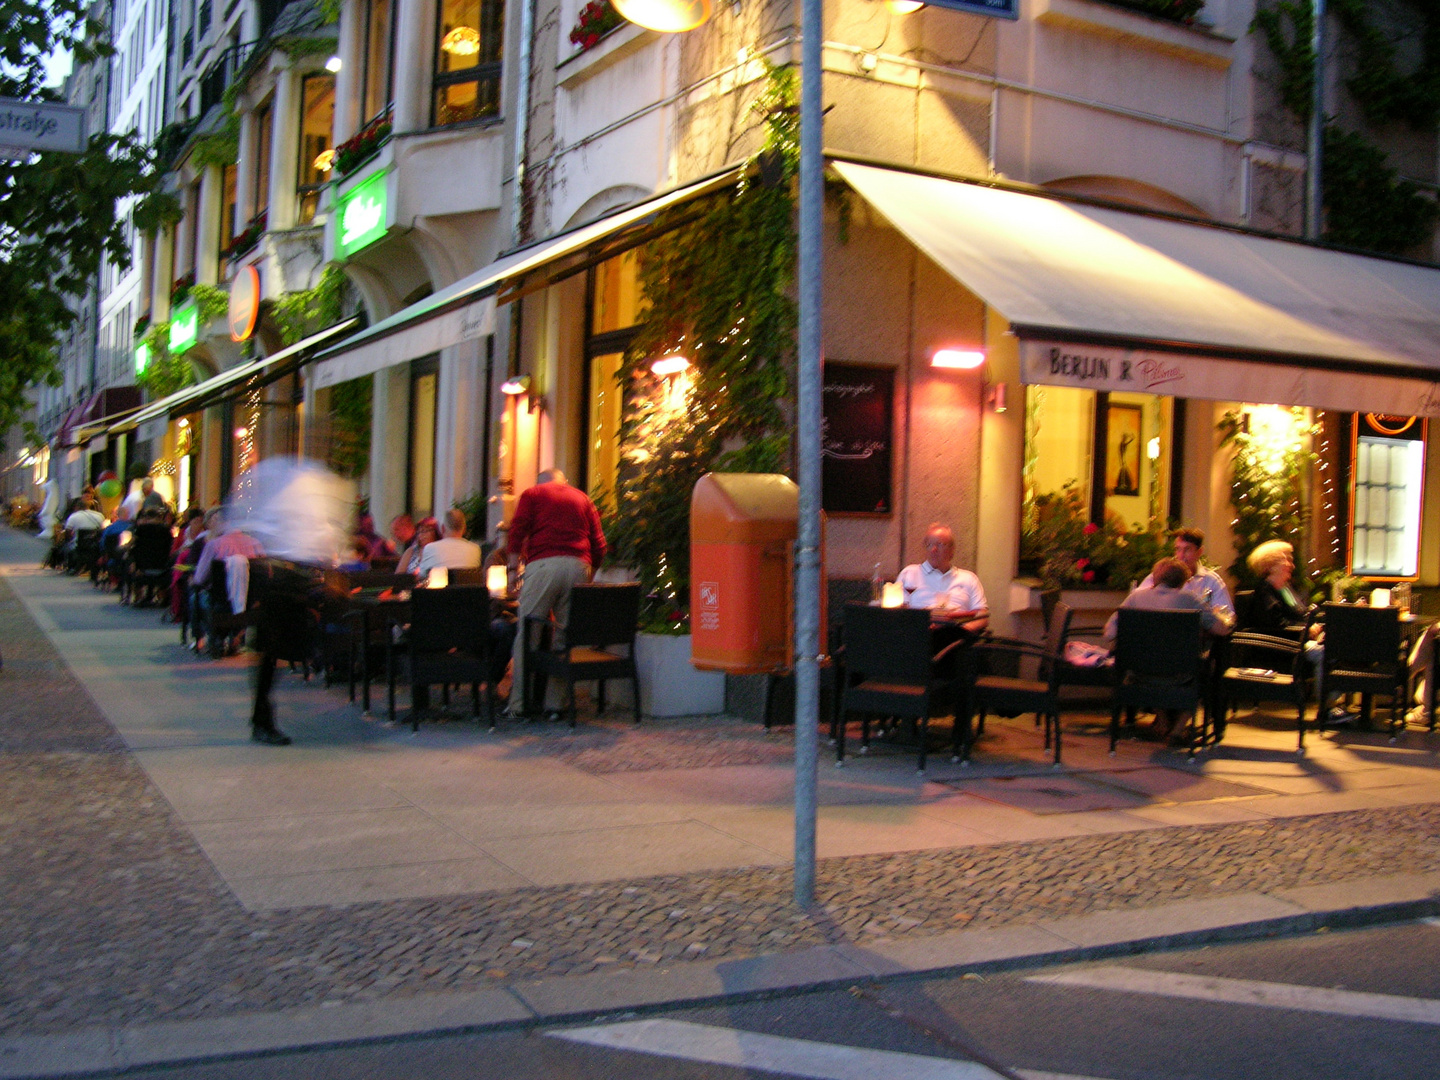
1315, 135
809, 389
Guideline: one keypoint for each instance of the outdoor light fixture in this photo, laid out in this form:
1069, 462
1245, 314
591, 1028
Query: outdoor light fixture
324, 161
666, 16
903, 7
241, 432
462, 41
967, 359
669, 365
333, 64
516, 385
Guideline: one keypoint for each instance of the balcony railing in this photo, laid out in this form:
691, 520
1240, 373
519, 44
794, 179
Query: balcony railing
220, 74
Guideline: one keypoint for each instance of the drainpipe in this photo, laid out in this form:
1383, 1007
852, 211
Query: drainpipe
1316, 132
522, 116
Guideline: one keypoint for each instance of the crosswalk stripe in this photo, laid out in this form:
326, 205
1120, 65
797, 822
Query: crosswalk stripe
1249, 992
771, 1053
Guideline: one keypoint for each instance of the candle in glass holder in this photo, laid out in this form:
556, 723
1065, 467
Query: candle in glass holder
1379, 597
439, 577
497, 580
892, 595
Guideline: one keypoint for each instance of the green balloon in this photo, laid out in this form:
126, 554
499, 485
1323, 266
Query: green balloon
109, 489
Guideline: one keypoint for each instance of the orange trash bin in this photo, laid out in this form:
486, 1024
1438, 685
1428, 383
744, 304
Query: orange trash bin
742, 532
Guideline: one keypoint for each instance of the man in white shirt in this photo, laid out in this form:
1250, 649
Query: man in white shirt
86, 518
452, 550
1205, 584
948, 591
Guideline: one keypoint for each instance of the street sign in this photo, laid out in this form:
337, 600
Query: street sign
999, 9
30, 126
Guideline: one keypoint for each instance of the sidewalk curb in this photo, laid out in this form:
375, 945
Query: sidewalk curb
1231, 918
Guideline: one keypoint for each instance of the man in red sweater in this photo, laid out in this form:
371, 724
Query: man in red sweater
556, 533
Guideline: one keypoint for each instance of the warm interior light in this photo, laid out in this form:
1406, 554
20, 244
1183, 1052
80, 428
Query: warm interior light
462, 41
516, 386
957, 358
666, 16
903, 7
241, 432
324, 161
333, 64
183, 423
669, 365
497, 580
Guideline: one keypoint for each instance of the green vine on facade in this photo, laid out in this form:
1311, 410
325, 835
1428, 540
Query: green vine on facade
166, 372
308, 311
1267, 487
213, 302
1367, 204
717, 290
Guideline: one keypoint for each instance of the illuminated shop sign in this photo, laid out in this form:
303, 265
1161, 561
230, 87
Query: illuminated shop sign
142, 358
361, 219
184, 327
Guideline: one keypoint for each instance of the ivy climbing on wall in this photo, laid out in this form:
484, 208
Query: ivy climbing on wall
1367, 204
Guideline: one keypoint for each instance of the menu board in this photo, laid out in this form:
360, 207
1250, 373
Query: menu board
856, 441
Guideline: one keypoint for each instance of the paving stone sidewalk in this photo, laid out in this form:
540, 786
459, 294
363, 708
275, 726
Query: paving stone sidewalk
112, 913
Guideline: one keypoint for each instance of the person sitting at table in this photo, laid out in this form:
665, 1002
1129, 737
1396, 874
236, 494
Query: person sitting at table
1168, 593
452, 550
1276, 607
357, 555
376, 546
1204, 581
427, 531
947, 591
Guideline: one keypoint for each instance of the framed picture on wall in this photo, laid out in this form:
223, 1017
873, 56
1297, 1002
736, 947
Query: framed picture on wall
1122, 450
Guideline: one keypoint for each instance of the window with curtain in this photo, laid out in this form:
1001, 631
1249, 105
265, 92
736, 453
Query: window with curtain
264, 131
379, 67
467, 60
317, 117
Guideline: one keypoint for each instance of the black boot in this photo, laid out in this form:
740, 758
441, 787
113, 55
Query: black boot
270, 736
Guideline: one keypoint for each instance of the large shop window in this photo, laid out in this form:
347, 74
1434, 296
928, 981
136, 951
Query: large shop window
467, 60
1388, 482
228, 189
264, 131
379, 71
424, 387
1116, 450
614, 315
317, 117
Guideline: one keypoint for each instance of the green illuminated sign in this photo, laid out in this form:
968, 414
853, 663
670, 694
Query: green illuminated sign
184, 327
142, 358
361, 219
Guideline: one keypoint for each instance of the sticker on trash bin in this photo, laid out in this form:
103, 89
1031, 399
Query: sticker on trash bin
709, 605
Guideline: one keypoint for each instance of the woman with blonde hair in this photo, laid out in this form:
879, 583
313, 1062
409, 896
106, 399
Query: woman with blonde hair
1276, 608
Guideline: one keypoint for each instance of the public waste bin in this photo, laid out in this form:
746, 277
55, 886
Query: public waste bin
742, 531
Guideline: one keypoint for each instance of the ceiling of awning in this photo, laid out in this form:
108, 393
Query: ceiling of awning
465, 310
1061, 271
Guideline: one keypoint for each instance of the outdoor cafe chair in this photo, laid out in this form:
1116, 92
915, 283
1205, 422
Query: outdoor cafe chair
987, 687
602, 617
1255, 667
447, 643
1058, 633
468, 575
148, 562
889, 671
341, 627
1159, 664
1364, 654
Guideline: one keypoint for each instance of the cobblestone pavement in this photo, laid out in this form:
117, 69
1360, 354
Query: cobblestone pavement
113, 915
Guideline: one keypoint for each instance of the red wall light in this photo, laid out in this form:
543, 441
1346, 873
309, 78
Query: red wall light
968, 359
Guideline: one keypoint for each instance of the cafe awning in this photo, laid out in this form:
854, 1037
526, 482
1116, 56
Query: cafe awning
1105, 299
151, 421
465, 310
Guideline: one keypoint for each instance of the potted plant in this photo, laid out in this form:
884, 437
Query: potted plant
596, 19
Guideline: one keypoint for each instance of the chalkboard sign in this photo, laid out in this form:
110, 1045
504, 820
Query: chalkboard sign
856, 440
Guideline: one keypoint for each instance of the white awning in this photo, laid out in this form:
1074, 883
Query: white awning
151, 421
466, 309
1109, 300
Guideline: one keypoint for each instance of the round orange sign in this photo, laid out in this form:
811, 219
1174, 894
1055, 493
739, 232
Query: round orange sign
244, 303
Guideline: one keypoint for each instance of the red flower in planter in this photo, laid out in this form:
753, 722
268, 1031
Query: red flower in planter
1088, 576
1091, 528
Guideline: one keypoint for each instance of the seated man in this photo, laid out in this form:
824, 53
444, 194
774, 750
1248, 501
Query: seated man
452, 550
949, 592
1204, 582
1168, 593
112, 540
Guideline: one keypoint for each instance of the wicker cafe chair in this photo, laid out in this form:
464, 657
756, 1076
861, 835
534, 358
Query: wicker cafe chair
447, 643
602, 617
147, 573
1057, 633
343, 624
1034, 688
1259, 667
889, 671
1364, 654
1159, 664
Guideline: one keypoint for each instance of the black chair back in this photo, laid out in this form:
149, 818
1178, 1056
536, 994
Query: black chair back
150, 549
1058, 627
888, 644
456, 617
603, 615
1158, 644
1244, 605
345, 580
1361, 636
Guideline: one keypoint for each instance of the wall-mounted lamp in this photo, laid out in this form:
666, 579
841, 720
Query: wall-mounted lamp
516, 385
183, 423
666, 16
241, 432
903, 7
333, 64
995, 397
964, 359
669, 365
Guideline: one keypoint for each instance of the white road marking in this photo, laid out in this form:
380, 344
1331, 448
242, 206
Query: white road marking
772, 1053
1250, 992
